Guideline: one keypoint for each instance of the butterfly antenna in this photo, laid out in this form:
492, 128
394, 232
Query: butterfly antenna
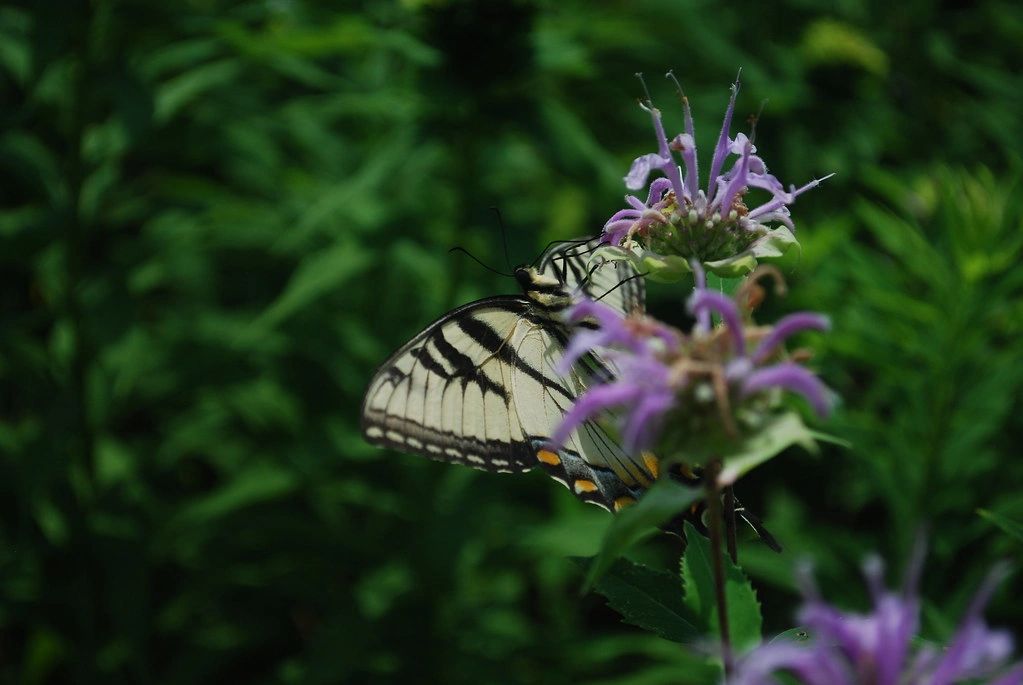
567, 254
621, 283
589, 273
476, 259
578, 241
504, 236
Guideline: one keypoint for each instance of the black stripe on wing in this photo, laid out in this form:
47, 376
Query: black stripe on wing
570, 263
489, 339
446, 364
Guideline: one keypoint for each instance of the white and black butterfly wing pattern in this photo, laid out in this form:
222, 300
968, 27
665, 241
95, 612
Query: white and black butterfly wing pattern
615, 283
481, 387
447, 393
589, 463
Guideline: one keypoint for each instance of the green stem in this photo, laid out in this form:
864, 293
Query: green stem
717, 557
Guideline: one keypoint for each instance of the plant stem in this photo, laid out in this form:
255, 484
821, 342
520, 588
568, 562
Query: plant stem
716, 515
733, 549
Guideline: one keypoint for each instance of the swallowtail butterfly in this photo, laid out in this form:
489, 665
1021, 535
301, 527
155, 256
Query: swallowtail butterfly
479, 386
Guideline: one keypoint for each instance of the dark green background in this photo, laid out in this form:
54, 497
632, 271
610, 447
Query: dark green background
218, 218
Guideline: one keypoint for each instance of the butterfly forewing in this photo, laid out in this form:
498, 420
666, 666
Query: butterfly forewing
446, 394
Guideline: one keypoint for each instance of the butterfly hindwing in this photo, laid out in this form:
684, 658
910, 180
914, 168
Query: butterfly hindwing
543, 395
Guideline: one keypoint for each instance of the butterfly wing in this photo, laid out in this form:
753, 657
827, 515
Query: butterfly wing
590, 463
447, 394
480, 387
616, 283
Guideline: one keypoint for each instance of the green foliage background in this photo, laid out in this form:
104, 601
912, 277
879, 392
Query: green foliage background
218, 218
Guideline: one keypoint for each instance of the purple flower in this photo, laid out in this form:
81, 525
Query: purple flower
881, 647
710, 223
642, 381
659, 372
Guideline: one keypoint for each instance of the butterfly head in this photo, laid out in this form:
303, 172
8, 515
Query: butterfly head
545, 291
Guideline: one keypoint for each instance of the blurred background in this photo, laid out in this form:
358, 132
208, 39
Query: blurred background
219, 217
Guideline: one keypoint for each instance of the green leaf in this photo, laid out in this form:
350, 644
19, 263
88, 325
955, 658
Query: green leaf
766, 442
258, 484
778, 247
657, 267
744, 619
181, 90
827, 41
1013, 528
317, 275
649, 598
660, 503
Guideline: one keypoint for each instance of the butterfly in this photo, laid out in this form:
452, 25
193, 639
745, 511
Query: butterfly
481, 387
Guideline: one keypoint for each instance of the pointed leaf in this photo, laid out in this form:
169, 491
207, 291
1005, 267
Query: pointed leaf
744, 620
1013, 528
659, 504
649, 598
318, 274
766, 442
778, 247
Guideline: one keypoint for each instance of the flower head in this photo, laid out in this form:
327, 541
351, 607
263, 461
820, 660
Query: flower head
882, 647
702, 384
715, 224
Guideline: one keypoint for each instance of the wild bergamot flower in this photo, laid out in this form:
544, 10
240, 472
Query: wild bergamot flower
680, 389
882, 647
717, 225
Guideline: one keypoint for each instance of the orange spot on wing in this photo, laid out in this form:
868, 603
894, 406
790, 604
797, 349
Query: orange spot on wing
548, 457
585, 486
623, 502
652, 464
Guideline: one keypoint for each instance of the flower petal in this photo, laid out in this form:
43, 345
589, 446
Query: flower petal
786, 327
792, 377
592, 402
721, 149
640, 170
657, 190
706, 300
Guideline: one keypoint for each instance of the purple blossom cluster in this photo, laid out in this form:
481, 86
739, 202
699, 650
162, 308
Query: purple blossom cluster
681, 218
659, 369
882, 647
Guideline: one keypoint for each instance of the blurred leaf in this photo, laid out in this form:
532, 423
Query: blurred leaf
15, 54
650, 599
664, 500
828, 41
179, 91
257, 484
765, 443
744, 619
1009, 526
317, 275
